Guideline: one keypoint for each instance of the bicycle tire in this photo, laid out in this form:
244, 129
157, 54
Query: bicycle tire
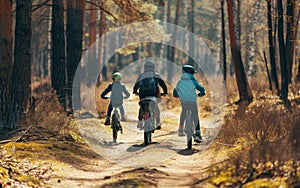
147, 132
114, 128
189, 130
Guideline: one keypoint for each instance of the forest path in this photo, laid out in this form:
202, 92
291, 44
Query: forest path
164, 163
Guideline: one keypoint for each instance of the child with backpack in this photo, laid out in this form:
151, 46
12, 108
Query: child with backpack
186, 91
147, 85
117, 90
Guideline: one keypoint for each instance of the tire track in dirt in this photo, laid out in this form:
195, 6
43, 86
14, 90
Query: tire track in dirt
164, 163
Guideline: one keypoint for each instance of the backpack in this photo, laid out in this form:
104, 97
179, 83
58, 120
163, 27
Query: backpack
148, 86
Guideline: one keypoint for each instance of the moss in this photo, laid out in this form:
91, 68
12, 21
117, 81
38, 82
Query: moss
4, 173
277, 182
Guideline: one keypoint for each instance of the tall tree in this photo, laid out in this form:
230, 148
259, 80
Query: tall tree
171, 50
101, 46
21, 77
223, 42
291, 31
282, 54
92, 65
250, 52
191, 26
6, 60
245, 93
274, 76
58, 55
75, 15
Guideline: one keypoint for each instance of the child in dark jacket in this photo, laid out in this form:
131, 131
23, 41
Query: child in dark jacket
186, 91
117, 90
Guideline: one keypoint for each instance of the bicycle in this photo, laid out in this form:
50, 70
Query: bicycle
189, 123
115, 123
148, 106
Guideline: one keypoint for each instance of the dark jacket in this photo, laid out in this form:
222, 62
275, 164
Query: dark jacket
159, 81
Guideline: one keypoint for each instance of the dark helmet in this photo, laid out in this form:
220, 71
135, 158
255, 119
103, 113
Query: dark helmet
189, 69
149, 65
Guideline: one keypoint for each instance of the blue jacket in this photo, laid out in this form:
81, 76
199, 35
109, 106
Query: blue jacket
186, 88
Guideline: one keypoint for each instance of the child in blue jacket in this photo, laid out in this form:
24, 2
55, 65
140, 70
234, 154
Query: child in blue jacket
186, 91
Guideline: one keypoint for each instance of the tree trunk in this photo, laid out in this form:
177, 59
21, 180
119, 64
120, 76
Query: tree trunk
242, 83
171, 53
6, 60
191, 27
251, 37
294, 43
274, 76
58, 63
289, 38
21, 77
101, 45
223, 42
92, 65
282, 54
75, 15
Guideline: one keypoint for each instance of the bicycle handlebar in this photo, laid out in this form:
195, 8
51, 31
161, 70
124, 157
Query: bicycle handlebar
108, 97
200, 94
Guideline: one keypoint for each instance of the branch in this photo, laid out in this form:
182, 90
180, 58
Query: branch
23, 134
40, 5
5, 141
101, 8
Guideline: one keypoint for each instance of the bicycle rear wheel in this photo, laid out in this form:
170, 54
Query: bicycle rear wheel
114, 128
147, 130
189, 130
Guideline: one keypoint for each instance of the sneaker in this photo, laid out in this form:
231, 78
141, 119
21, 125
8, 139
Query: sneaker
107, 121
198, 138
181, 132
120, 129
158, 127
140, 124
123, 119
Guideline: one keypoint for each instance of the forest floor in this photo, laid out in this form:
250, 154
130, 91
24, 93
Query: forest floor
98, 162
34, 156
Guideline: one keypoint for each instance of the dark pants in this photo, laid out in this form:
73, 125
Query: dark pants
190, 106
110, 108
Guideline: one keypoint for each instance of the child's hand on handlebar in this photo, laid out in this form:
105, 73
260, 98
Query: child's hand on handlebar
201, 94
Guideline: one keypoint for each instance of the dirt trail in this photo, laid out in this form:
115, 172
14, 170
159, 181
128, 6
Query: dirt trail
164, 163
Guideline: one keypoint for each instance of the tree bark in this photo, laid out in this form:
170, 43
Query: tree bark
171, 51
242, 82
289, 38
274, 76
21, 77
282, 54
6, 60
58, 63
101, 46
92, 65
251, 37
75, 15
223, 42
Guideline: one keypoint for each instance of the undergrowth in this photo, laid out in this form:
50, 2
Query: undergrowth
263, 146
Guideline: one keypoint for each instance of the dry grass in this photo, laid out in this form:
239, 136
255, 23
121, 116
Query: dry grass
262, 140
